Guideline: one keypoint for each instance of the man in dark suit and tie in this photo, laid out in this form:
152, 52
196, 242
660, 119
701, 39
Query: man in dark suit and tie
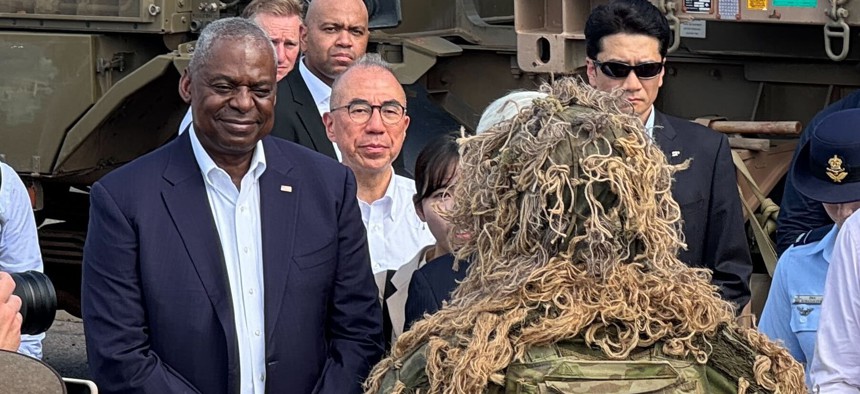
626, 45
228, 261
335, 35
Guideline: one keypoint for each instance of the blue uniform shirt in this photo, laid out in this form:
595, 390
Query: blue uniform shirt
794, 302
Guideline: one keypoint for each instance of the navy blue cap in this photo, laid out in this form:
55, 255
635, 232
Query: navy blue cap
827, 169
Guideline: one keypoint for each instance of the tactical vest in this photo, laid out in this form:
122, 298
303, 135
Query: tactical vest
572, 367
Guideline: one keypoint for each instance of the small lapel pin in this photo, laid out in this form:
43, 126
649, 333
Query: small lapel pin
286, 188
676, 153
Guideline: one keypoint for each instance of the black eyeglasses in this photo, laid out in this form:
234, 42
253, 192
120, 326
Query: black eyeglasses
620, 70
361, 111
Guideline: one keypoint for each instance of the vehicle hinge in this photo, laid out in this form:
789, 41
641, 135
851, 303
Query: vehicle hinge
668, 9
117, 62
837, 28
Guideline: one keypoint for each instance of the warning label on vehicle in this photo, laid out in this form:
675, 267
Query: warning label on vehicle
757, 4
796, 3
700, 6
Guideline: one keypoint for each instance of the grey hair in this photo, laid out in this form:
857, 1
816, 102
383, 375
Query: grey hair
506, 108
372, 60
240, 29
369, 60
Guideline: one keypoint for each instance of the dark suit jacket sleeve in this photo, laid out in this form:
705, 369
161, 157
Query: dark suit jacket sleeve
114, 318
284, 124
726, 239
354, 328
421, 299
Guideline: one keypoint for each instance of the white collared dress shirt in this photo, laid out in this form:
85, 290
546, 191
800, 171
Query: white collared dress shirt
649, 124
394, 231
19, 241
836, 365
321, 94
237, 219
186, 121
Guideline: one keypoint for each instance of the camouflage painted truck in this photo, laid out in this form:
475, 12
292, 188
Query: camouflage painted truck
88, 85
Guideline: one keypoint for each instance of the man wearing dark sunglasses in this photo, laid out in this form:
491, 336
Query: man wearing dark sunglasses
626, 44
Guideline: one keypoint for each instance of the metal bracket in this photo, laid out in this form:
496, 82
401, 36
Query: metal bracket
668, 9
117, 62
837, 28
419, 56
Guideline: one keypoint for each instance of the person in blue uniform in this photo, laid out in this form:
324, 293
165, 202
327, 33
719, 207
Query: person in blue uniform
823, 172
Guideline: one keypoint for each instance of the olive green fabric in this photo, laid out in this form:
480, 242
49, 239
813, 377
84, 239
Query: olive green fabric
571, 367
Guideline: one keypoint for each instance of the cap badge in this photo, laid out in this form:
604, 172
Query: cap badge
835, 171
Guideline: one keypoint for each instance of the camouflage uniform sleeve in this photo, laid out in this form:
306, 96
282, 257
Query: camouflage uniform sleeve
407, 376
734, 357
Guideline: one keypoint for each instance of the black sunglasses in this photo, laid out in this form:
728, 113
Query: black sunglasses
620, 70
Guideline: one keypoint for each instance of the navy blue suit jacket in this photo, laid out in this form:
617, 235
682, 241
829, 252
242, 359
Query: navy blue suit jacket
157, 308
710, 204
430, 285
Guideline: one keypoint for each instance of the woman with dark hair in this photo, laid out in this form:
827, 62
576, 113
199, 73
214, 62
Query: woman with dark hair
435, 170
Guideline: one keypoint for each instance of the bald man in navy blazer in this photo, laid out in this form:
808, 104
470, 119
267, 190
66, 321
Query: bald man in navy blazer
162, 279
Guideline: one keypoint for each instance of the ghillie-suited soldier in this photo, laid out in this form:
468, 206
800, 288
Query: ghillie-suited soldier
574, 285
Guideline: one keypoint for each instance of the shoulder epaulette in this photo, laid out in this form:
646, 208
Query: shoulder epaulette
814, 235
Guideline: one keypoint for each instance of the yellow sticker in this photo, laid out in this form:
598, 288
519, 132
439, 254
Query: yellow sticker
757, 4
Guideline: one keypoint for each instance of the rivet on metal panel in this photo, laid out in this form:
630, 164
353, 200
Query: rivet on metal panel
154, 10
672, 71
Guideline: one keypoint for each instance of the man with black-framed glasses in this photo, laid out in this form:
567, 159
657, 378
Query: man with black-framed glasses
626, 45
368, 121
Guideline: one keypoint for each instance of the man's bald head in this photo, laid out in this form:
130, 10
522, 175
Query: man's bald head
368, 118
336, 35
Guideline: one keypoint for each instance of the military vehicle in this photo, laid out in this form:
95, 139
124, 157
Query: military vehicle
88, 85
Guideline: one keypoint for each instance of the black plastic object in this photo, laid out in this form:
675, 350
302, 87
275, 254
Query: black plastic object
38, 301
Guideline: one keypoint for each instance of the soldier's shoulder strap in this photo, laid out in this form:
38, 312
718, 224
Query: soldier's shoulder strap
410, 374
813, 235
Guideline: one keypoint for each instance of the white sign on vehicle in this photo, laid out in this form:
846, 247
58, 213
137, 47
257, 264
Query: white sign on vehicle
694, 29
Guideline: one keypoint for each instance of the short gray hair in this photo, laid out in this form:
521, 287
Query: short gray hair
372, 60
241, 29
506, 108
369, 60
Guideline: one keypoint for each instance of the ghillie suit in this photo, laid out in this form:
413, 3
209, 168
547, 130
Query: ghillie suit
574, 284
